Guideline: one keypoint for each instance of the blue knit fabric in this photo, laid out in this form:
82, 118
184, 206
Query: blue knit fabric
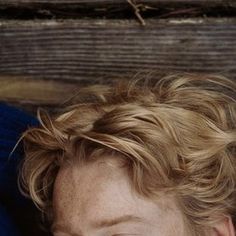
13, 121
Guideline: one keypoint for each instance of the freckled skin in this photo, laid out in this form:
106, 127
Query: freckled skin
97, 191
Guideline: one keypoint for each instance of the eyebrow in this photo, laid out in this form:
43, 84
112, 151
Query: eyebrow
118, 220
64, 229
100, 224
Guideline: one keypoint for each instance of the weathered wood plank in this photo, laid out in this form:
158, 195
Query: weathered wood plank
35, 91
91, 49
29, 93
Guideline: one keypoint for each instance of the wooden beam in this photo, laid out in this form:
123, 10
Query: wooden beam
30, 93
94, 50
29, 90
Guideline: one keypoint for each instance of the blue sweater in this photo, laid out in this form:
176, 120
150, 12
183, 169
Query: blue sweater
13, 121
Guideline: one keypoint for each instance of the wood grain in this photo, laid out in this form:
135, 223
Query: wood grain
35, 91
29, 93
92, 50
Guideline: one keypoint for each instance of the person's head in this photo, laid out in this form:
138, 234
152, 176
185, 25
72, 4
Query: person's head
142, 157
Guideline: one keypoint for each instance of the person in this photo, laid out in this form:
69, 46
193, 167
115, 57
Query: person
145, 156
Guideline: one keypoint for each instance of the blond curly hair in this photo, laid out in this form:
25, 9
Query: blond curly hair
177, 135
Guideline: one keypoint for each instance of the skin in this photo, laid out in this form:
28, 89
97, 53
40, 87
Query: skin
96, 199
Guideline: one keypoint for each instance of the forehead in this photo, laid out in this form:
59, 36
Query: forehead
79, 190
102, 190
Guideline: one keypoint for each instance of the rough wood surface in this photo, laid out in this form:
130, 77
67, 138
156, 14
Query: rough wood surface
30, 93
91, 49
